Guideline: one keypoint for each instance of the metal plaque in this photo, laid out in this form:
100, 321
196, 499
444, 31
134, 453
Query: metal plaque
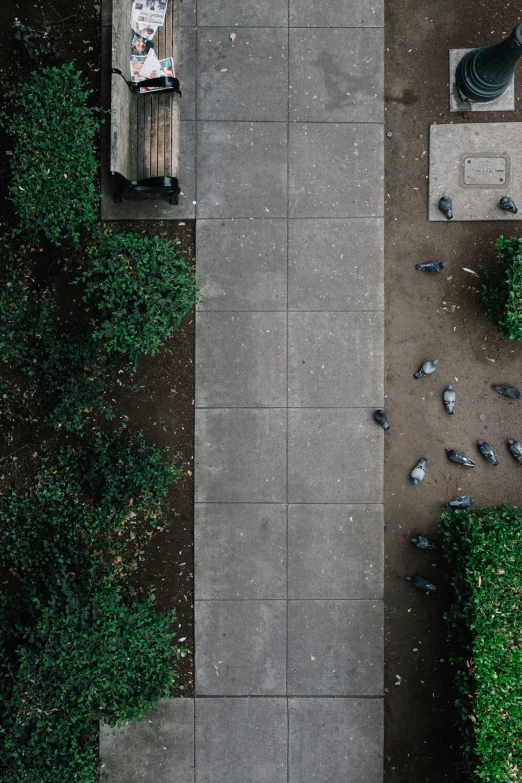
484, 171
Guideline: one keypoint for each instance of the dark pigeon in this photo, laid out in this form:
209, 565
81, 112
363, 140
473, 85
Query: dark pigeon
421, 583
427, 368
507, 203
486, 449
431, 266
461, 501
459, 458
515, 447
421, 542
418, 471
449, 398
507, 391
446, 206
380, 418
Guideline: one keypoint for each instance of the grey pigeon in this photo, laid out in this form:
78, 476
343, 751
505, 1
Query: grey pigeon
446, 206
459, 458
421, 582
431, 266
449, 398
515, 447
461, 501
486, 449
427, 368
507, 391
421, 542
507, 203
380, 418
419, 471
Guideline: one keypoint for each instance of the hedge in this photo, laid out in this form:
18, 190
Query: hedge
483, 547
502, 292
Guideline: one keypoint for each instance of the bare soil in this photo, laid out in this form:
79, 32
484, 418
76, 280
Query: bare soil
427, 317
163, 408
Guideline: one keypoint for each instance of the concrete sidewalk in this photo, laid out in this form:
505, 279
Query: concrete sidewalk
288, 115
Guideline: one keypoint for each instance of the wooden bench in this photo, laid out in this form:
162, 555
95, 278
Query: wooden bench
144, 126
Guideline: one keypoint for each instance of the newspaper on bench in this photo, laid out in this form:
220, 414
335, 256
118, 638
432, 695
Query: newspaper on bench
147, 16
150, 67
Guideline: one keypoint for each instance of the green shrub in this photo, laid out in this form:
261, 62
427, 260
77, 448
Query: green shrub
502, 292
87, 658
76, 646
142, 289
483, 547
53, 165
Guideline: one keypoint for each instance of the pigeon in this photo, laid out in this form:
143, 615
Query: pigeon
449, 398
446, 206
421, 542
507, 203
431, 266
515, 447
507, 391
421, 582
459, 458
461, 501
380, 418
427, 368
486, 449
418, 471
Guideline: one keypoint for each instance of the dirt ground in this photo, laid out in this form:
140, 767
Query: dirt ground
435, 316
163, 408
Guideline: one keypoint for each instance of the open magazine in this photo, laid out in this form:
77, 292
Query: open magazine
147, 16
149, 67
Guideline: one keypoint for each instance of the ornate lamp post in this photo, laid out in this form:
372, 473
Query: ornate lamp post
484, 74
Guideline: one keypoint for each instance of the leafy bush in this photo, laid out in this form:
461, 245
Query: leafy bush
142, 288
502, 293
76, 646
483, 547
53, 165
57, 370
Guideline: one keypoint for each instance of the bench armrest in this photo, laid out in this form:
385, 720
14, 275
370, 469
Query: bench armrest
164, 83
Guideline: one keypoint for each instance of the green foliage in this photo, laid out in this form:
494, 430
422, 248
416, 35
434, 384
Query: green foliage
76, 646
53, 165
483, 547
61, 371
502, 292
142, 288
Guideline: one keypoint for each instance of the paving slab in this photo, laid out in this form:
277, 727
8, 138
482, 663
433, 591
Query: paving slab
335, 170
335, 551
336, 264
240, 648
187, 69
269, 13
475, 164
241, 360
336, 75
505, 102
240, 455
245, 78
242, 169
157, 749
242, 264
240, 551
240, 740
334, 456
335, 740
160, 209
335, 359
188, 13
335, 648
336, 13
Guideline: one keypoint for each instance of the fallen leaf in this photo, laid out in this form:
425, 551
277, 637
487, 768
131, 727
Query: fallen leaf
224, 70
470, 271
312, 657
232, 36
